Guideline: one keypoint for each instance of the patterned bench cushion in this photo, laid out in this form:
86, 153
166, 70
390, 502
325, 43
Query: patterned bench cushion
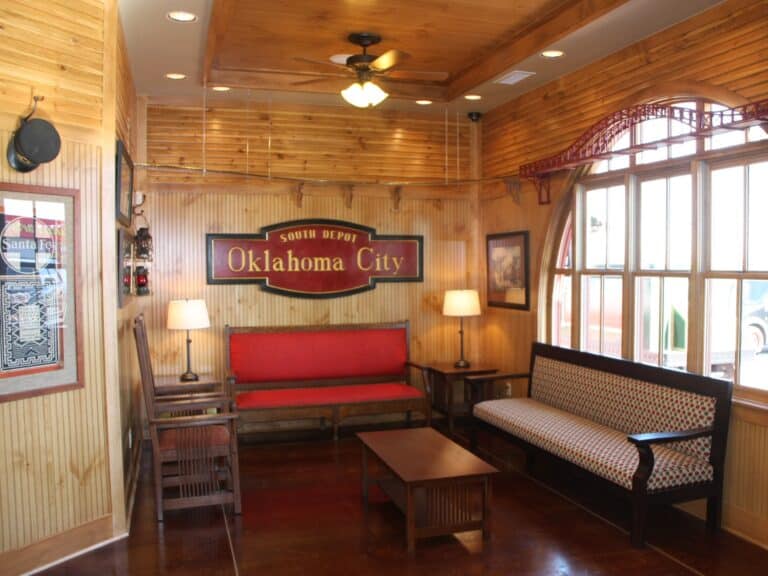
601, 450
625, 404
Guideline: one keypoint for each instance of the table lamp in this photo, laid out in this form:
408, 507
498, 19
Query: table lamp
461, 303
188, 315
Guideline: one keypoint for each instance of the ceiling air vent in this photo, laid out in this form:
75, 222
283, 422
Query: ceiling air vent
513, 77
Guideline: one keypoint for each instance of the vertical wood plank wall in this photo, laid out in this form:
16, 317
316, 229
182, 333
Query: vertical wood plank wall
127, 112
720, 51
54, 463
330, 143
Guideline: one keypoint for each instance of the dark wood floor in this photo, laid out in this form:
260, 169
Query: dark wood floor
302, 515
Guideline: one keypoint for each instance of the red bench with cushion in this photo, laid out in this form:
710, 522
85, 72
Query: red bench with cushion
325, 372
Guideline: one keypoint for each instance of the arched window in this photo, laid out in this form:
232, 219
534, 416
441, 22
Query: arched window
663, 254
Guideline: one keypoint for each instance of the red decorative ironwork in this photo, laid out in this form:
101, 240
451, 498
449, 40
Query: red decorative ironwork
595, 144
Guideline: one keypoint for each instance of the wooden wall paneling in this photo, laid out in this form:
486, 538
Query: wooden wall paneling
306, 142
53, 466
182, 218
53, 50
722, 48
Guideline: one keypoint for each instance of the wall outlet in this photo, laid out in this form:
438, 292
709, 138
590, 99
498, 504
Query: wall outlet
508, 389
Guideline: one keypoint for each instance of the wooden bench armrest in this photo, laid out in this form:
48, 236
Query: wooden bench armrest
413, 364
187, 421
648, 438
190, 396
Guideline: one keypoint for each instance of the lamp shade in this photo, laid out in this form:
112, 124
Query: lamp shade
187, 315
461, 303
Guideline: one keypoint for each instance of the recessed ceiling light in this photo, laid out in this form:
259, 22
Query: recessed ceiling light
553, 53
175, 76
220, 88
472, 97
423, 102
181, 16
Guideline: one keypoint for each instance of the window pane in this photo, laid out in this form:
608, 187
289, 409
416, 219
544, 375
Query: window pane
651, 131
615, 233
564, 253
753, 370
612, 299
727, 239
561, 311
648, 300
675, 322
756, 133
680, 218
725, 139
678, 128
596, 213
618, 162
592, 299
653, 217
721, 328
757, 248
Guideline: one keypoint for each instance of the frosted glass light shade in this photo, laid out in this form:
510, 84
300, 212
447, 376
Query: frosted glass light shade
461, 303
187, 315
364, 95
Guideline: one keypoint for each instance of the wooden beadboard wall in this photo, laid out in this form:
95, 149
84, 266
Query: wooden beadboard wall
721, 52
336, 143
53, 465
128, 127
56, 493
180, 219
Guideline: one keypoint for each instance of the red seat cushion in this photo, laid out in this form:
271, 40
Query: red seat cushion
326, 395
318, 354
217, 436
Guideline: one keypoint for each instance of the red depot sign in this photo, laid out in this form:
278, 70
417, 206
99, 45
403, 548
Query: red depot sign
314, 258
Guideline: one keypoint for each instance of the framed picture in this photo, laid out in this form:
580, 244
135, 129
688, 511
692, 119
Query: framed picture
40, 336
123, 185
125, 266
508, 270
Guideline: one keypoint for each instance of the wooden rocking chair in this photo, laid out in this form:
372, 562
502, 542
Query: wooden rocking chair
194, 442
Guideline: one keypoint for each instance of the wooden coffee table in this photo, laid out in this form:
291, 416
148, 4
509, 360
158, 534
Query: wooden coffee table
439, 486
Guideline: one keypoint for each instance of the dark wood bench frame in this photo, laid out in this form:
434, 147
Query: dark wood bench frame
335, 413
639, 496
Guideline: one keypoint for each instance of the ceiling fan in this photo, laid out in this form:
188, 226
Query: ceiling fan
366, 67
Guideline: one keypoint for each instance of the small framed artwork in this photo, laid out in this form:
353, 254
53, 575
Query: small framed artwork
123, 185
40, 336
508, 270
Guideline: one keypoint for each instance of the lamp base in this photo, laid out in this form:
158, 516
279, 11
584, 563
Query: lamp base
189, 377
461, 364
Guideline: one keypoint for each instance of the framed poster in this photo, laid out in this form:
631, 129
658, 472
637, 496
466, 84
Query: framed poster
508, 270
123, 185
40, 347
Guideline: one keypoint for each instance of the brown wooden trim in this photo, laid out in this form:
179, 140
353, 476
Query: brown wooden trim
221, 14
74, 194
59, 547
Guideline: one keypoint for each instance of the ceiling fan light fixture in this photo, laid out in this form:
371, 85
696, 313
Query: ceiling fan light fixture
364, 95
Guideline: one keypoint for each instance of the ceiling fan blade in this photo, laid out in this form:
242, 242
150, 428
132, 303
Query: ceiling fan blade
387, 60
427, 75
322, 62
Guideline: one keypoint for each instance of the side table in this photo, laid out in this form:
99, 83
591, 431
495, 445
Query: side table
166, 385
442, 376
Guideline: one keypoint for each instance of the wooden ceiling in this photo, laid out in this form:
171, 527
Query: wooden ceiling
266, 45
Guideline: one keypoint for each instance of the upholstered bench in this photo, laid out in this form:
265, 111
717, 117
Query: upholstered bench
322, 372
653, 433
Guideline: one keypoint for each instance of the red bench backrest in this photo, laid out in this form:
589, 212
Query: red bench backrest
271, 355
